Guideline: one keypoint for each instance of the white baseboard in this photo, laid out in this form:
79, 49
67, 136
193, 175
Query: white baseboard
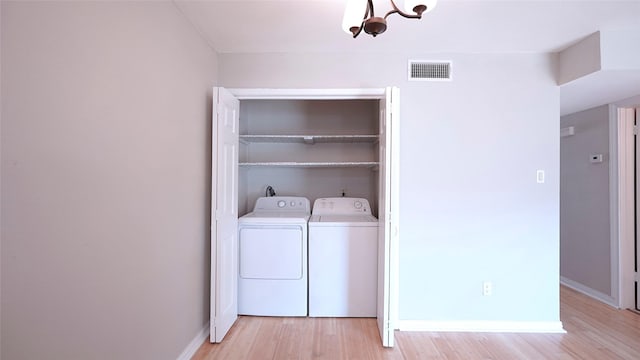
195, 344
482, 326
609, 300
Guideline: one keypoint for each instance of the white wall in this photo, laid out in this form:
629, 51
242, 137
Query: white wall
471, 209
617, 50
585, 240
105, 180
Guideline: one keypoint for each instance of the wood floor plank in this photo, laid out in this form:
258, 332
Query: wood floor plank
594, 331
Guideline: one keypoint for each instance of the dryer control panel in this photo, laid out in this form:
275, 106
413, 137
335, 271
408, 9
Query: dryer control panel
283, 203
341, 206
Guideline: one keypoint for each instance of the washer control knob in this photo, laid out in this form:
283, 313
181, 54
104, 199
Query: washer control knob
293, 203
282, 203
357, 205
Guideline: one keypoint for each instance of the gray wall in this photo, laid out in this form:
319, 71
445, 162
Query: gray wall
471, 209
311, 117
585, 240
630, 102
105, 180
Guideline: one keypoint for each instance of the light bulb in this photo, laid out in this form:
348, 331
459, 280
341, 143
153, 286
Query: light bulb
354, 14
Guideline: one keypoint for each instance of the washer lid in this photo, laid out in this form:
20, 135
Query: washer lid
343, 220
346, 218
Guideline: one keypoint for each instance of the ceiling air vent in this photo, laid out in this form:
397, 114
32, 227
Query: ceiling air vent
429, 70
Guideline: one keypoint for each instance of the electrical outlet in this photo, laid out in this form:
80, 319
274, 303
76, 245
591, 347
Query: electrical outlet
487, 288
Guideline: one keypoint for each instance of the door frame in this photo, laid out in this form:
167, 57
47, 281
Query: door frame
307, 94
351, 94
623, 206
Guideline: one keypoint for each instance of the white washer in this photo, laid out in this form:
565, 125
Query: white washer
343, 258
272, 242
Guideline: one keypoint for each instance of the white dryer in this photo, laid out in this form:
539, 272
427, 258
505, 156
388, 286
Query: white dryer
343, 258
272, 242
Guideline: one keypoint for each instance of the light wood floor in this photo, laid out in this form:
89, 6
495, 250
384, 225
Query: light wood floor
594, 331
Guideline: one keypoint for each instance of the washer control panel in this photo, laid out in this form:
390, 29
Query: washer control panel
283, 203
341, 206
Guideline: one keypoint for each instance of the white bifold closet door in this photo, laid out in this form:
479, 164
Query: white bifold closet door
224, 212
637, 206
387, 213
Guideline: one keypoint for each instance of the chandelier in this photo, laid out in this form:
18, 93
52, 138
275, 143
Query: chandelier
353, 21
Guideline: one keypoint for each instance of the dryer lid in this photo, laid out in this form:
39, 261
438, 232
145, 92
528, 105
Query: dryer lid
274, 217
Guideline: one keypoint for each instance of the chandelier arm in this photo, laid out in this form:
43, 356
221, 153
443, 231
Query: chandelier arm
355, 35
368, 12
396, 10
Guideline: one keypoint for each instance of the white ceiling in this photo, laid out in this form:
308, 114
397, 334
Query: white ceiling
469, 26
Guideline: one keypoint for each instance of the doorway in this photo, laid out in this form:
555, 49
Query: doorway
606, 226
225, 186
